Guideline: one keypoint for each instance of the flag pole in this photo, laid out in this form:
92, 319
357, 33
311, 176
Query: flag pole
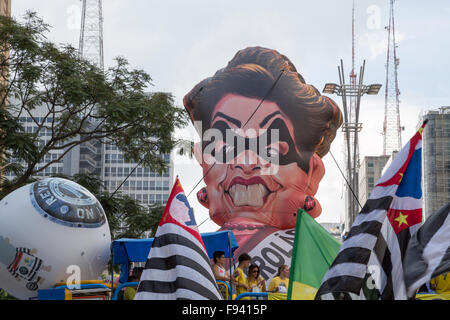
294, 250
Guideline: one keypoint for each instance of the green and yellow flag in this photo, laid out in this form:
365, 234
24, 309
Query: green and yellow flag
314, 251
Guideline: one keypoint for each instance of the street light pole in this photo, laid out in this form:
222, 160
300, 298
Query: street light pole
351, 127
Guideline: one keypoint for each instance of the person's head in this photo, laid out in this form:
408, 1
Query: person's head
261, 90
136, 274
244, 260
253, 271
283, 271
219, 257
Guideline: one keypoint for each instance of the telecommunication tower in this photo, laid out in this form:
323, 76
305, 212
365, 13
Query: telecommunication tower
91, 35
90, 154
392, 139
351, 94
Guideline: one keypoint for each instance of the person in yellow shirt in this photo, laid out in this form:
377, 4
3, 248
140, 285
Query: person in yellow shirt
280, 283
130, 292
255, 282
441, 284
240, 280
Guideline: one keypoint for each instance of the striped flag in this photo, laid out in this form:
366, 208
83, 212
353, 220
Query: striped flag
428, 254
177, 267
369, 263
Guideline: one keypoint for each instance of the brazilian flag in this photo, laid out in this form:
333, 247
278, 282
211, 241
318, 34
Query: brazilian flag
313, 253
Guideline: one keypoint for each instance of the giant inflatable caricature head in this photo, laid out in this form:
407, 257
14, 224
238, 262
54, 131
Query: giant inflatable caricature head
260, 91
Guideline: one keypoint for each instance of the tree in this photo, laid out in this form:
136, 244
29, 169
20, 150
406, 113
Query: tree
127, 217
81, 104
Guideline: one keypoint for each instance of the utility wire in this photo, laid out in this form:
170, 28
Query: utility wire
345, 179
131, 172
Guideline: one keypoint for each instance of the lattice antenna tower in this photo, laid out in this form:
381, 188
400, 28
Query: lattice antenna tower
353, 110
392, 139
91, 35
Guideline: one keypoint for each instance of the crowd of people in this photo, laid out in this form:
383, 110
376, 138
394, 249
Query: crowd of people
247, 277
437, 285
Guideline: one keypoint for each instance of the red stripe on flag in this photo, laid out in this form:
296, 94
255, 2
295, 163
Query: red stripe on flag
167, 217
17, 261
398, 176
402, 219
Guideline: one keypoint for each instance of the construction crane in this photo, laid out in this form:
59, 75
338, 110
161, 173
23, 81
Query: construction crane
392, 139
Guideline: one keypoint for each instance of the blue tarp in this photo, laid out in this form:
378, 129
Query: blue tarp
126, 250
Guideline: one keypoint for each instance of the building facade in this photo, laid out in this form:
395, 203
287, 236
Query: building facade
144, 185
102, 160
5, 7
370, 171
436, 160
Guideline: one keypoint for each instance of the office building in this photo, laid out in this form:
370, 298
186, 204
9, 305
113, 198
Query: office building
370, 171
102, 160
435, 160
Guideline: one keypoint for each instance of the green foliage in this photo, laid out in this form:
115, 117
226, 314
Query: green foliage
5, 296
127, 217
81, 102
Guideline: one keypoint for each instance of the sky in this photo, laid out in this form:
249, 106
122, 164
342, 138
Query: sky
179, 43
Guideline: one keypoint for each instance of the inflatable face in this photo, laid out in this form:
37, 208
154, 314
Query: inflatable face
264, 131
248, 187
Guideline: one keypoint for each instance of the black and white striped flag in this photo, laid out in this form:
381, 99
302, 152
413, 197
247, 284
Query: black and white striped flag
428, 253
177, 267
369, 263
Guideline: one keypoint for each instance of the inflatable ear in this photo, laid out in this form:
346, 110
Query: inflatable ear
316, 173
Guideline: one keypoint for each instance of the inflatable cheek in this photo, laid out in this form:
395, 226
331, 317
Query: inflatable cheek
51, 230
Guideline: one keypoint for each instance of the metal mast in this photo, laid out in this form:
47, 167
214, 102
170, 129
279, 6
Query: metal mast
392, 139
90, 154
91, 35
351, 100
351, 128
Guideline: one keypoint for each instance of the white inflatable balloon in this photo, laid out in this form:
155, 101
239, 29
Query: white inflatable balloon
50, 230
